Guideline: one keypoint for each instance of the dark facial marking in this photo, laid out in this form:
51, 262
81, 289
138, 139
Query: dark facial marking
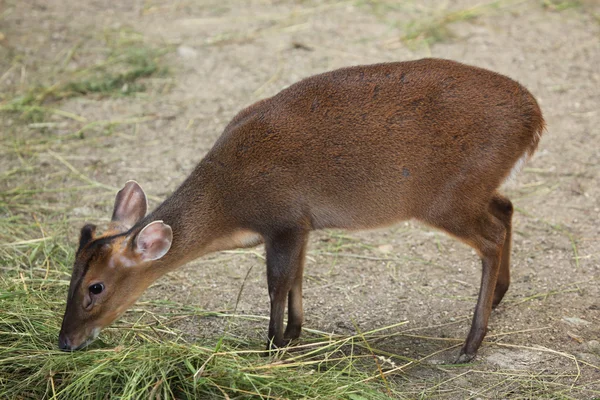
90, 250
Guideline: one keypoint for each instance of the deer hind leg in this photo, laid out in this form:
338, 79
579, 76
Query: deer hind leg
502, 208
285, 261
295, 309
486, 234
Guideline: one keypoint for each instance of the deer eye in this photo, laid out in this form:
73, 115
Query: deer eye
96, 288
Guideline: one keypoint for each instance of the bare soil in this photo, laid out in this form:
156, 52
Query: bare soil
224, 55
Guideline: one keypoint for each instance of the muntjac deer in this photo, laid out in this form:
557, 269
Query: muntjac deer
356, 148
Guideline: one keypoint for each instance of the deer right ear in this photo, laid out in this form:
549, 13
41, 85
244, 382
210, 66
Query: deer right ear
130, 206
87, 234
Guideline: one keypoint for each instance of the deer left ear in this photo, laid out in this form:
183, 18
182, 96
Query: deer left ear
130, 206
154, 241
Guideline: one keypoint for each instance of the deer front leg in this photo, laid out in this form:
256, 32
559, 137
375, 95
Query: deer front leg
285, 260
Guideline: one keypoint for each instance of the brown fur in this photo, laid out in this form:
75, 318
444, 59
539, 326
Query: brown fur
355, 148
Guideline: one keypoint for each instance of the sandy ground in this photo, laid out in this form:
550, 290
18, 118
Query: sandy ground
226, 55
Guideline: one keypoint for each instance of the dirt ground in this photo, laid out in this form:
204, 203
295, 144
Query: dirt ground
227, 54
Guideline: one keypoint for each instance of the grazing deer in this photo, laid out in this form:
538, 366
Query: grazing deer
356, 148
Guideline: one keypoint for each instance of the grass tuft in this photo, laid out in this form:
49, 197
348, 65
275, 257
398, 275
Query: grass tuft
149, 359
120, 74
138, 63
436, 29
141, 365
560, 5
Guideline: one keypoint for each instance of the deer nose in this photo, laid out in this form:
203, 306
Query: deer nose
64, 343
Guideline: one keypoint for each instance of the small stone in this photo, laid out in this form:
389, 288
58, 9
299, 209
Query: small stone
576, 321
385, 248
186, 52
593, 346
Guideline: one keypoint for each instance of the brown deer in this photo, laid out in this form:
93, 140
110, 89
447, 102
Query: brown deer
356, 148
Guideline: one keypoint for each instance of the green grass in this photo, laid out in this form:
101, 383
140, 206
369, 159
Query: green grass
560, 5
145, 354
120, 73
147, 359
435, 24
435, 28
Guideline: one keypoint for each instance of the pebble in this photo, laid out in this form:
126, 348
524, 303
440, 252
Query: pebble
576, 321
385, 248
186, 52
593, 346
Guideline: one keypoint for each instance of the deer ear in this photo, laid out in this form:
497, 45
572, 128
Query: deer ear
154, 241
87, 234
130, 206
